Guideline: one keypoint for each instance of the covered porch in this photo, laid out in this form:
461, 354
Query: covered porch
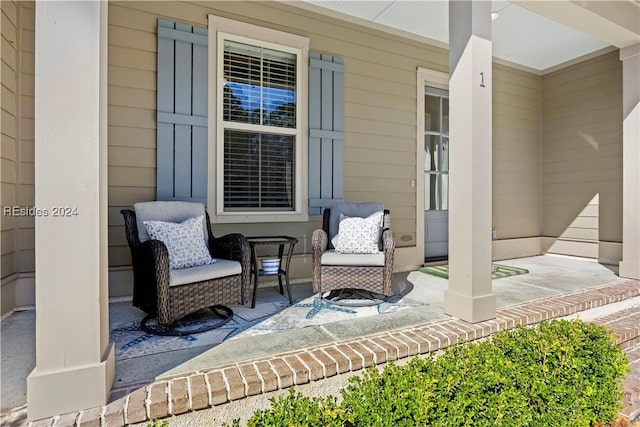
99, 155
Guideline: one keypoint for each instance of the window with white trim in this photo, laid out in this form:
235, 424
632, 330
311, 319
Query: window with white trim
260, 122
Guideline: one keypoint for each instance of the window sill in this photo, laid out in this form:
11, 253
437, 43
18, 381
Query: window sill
250, 218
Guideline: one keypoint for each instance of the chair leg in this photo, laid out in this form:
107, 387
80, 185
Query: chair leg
178, 329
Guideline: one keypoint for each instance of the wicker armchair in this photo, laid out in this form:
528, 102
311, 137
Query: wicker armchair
160, 291
335, 271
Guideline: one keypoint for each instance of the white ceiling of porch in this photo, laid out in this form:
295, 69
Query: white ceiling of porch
519, 35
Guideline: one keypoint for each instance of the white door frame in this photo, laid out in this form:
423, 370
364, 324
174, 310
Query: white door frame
440, 80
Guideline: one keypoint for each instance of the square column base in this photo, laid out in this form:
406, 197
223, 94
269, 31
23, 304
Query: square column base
57, 392
470, 309
629, 270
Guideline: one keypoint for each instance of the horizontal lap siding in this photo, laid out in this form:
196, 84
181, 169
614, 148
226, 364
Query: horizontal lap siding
380, 76
8, 134
18, 23
516, 152
582, 152
132, 118
379, 124
26, 192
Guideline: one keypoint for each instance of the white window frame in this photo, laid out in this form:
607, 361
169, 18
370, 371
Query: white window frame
221, 29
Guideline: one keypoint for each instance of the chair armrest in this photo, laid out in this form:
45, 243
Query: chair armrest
389, 246
151, 255
130, 227
388, 243
234, 247
150, 261
231, 246
319, 242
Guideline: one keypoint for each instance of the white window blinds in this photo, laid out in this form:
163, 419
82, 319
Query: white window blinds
260, 85
259, 89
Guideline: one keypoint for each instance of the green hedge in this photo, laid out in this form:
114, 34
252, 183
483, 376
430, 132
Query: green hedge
559, 374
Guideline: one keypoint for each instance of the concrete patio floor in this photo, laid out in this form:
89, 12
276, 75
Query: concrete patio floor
549, 276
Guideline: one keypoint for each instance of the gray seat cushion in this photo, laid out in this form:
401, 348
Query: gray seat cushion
332, 257
221, 268
168, 212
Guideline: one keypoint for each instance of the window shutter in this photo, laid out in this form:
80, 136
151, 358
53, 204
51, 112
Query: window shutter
182, 112
326, 131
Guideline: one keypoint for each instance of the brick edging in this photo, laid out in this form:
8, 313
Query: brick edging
211, 387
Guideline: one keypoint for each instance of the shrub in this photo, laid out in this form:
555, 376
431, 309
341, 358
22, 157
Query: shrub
559, 374
295, 409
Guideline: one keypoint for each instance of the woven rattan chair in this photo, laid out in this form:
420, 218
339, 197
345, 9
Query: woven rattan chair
333, 271
161, 292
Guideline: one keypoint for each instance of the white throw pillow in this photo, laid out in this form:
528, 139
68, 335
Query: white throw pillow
184, 241
334, 241
359, 235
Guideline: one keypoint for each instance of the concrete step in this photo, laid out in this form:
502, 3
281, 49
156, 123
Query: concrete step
626, 325
631, 394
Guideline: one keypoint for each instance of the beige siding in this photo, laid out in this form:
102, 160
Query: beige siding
582, 154
8, 132
380, 116
25, 239
516, 153
542, 178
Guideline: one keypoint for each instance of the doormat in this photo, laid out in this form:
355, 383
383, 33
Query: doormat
499, 271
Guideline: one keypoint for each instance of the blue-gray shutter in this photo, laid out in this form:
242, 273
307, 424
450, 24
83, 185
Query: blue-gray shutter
326, 131
182, 112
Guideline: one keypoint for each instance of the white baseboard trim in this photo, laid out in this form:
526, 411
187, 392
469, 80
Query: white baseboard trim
583, 249
407, 258
18, 292
609, 253
515, 248
120, 282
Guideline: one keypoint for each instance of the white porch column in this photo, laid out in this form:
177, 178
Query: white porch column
630, 264
74, 358
470, 296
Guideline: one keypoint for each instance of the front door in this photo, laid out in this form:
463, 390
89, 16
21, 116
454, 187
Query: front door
436, 173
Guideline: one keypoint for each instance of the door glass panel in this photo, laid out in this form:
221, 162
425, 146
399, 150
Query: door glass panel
444, 188
431, 153
431, 113
430, 191
436, 153
444, 158
436, 147
436, 192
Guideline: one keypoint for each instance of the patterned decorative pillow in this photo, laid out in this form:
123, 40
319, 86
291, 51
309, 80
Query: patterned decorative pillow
184, 241
359, 235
